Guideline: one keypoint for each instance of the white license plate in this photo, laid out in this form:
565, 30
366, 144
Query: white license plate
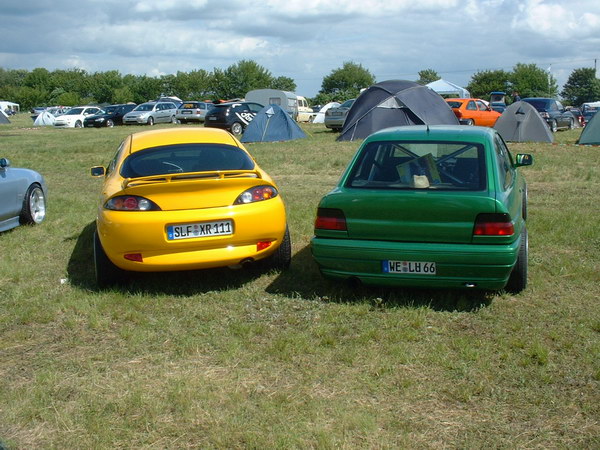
409, 267
212, 118
202, 229
186, 112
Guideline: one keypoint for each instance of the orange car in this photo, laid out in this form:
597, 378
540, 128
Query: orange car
473, 111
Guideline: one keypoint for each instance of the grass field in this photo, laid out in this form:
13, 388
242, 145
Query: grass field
239, 359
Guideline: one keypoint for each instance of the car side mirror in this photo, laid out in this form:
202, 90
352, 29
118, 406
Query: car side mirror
524, 159
4, 163
98, 171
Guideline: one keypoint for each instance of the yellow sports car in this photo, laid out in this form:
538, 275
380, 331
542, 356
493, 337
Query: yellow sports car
184, 199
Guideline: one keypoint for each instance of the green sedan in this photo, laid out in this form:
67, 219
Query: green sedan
427, 206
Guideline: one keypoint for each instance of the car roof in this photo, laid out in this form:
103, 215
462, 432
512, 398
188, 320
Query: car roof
171, 136
458, 133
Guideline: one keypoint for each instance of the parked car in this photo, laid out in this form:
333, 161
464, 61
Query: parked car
588, 110
23, 196
579, 119
232, 116
57, 110
192, 111
553, 112
36, 111
429, 206
186, 199
112, 115
150, 113
74, 117
473, 111
335, 117
498, 107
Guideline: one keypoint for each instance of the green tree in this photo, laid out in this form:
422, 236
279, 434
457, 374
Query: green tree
347, 81
428, 76
582, 86
39, 78
486, 81
283, 83
238, 79
29, 97
104, 84
531, 81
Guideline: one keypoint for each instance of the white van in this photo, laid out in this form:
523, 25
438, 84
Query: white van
305, 112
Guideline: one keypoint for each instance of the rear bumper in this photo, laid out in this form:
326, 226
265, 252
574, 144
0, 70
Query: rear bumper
123, 232
458, 265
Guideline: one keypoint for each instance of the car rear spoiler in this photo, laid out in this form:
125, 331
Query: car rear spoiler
209, 174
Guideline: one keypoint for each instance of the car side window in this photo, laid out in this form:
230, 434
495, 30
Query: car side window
471, 106
113, 162
481, 106
505, 164
255, 107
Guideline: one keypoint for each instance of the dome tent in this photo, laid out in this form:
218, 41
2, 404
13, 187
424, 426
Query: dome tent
320, 117
272, 124
395, 103
521, 122
444, 87
591, 132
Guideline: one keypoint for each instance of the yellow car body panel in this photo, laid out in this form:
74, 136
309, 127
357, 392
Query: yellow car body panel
187, 199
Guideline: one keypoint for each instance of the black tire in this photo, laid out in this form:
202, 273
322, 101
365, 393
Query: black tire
173, 119
517, 281
553, 126
110, 123
150, 121
281, 259
33, 211
107, 274
237, 128
470, 122
571, 124
78, 124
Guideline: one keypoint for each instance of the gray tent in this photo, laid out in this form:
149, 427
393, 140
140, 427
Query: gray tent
395, 103
591, 133
3, 118
521, 122
44, 118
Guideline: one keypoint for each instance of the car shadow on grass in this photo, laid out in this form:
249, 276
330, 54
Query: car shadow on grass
80, 271
304, 280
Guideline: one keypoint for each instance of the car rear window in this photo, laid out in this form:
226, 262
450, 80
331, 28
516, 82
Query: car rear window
189, 105
454, 104
183, 158
419, 165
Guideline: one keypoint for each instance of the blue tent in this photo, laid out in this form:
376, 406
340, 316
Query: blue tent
272, 124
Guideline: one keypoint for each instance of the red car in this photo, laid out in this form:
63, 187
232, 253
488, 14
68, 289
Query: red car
473, 111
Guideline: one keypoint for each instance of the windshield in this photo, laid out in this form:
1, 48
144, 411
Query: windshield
538, 103
419, 165
112, 109
182, 158
347, 104
145, 107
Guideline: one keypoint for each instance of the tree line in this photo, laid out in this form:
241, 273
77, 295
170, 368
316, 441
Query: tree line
40, 86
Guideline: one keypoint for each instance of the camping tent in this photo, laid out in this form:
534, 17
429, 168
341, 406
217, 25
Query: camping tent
44, 118
444, 87
395, 103
272, 124
591, 132
320, 117
521, 122
3, 118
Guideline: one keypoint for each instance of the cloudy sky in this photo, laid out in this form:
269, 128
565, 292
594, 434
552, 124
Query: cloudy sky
302, 39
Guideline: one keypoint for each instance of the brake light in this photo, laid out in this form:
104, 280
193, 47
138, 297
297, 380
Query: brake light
493, 225
256, 194
261, 245
137, 257
131, 203
330, 219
